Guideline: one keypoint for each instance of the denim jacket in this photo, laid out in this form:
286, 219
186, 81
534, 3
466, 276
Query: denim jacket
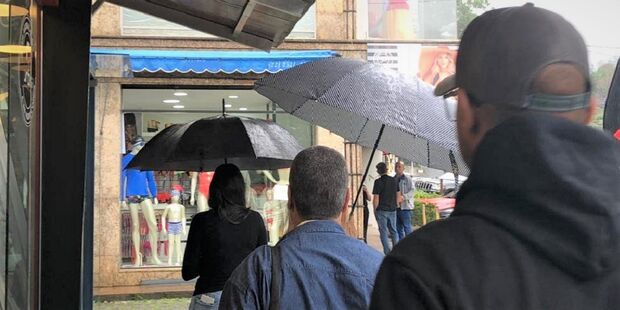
322, 268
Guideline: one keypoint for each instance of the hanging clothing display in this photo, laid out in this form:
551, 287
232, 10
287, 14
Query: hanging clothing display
135, 182
204, 181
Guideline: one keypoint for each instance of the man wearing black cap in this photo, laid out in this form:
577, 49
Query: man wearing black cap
537, 224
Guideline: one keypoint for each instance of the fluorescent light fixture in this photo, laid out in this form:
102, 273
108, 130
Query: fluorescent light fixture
228, 105
15, 49
172, 101
233, 96
243, 109
180, 94
7, 10
178, 106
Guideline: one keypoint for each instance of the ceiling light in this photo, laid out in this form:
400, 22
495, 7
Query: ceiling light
180, 94
172, 101
7, 10
15, 49
233, 96
178, 106
228, 105
243, 109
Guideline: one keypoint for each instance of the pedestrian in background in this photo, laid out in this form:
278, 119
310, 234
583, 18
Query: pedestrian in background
219, 239
385, 195
405, 201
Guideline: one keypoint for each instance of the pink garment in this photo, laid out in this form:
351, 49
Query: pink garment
398, 5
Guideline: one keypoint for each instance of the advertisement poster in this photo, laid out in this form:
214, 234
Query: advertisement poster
431, 64
392, 19
436, 63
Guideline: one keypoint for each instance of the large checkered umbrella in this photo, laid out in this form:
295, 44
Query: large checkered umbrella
370, 105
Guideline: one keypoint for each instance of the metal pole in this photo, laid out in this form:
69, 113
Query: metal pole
374, 149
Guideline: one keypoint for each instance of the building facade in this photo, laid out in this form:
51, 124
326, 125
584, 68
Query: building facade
131, 100
137, 96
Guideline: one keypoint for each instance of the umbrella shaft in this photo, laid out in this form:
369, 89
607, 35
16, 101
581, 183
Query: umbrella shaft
374, 149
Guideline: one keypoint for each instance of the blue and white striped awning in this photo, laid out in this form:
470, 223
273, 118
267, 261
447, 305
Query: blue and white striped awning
229, 62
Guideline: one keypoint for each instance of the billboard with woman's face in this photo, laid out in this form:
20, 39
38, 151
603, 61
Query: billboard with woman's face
436, 63
431, 64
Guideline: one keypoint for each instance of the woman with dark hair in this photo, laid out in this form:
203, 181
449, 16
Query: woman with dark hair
219, 239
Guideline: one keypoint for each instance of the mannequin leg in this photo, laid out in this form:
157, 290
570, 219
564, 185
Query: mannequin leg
170, 248
149, 216
177, 248
202, 203
135, 232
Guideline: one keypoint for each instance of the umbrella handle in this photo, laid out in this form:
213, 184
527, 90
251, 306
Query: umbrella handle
374, 149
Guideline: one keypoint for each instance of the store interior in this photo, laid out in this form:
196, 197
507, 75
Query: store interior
181, 194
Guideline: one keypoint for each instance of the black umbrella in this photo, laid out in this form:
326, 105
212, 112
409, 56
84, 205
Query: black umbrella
202, 145
370, 105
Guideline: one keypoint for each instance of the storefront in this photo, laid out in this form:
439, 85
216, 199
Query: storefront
18, 146
148, 111
139, 93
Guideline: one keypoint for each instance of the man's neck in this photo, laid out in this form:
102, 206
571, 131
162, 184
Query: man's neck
300, 222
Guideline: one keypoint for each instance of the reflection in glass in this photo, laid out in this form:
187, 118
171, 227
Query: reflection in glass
264, 194
20, 71
135, 23
411, 19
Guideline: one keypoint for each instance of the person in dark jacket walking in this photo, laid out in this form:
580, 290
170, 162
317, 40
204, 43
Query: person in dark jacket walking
219, 239
537, 224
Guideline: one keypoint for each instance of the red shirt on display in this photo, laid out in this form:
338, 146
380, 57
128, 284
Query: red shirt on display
204, 181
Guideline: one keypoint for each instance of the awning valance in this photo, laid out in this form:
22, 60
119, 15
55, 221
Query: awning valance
229, 62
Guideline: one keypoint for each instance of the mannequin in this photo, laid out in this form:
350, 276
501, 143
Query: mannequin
203, 180
137, 190
175, 215
268, 197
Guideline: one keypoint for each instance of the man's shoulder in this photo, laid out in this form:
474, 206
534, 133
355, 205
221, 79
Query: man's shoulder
447, 242
256, 263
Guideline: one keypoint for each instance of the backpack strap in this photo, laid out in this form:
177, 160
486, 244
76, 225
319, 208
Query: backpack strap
276, 278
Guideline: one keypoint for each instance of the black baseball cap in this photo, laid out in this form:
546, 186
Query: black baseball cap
502, 52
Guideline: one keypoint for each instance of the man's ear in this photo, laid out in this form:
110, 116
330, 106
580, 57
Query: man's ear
466, 114
290, 204
592, 109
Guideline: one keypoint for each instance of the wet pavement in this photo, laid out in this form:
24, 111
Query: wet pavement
146, 304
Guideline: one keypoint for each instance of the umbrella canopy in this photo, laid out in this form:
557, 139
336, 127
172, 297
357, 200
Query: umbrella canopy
202, 145
356, 100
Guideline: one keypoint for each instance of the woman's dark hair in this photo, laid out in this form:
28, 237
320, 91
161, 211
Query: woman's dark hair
227, 194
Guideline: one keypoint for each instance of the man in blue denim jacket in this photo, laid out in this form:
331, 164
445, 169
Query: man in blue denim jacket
320, 266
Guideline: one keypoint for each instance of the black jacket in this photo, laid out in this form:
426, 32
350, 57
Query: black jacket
536, 226
215, 247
